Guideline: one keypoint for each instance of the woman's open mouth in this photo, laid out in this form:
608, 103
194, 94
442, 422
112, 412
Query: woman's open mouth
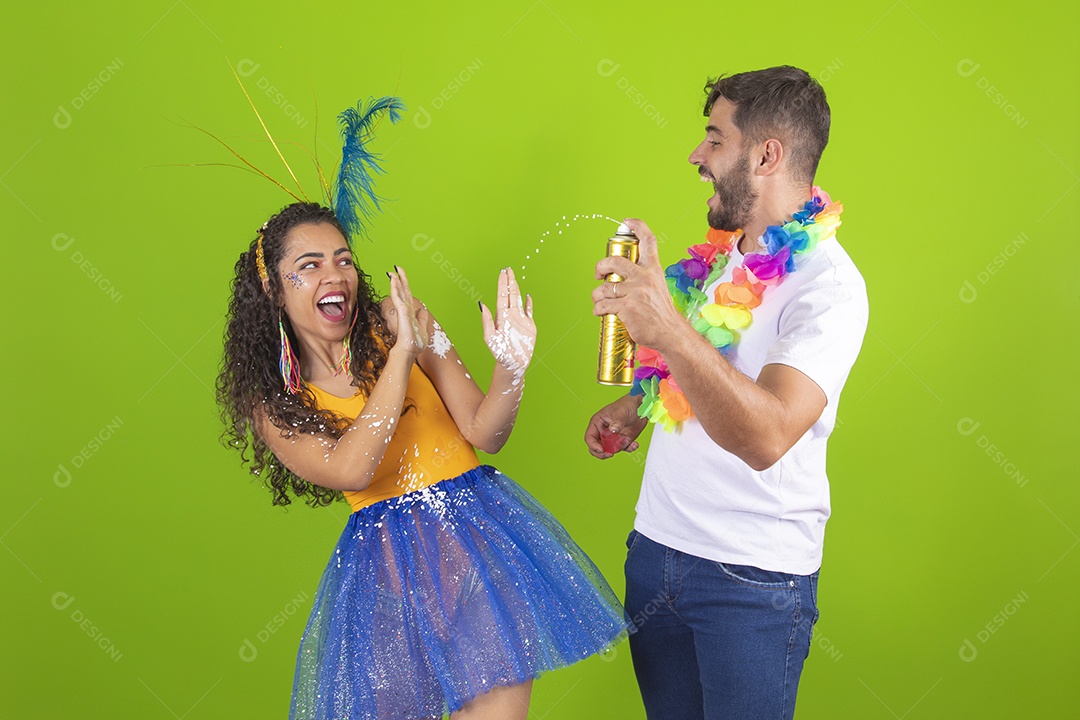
332, 306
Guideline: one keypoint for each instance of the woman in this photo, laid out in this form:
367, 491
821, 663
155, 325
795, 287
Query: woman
451, 588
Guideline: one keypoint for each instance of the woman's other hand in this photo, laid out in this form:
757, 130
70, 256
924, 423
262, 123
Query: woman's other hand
511, 334
411, 315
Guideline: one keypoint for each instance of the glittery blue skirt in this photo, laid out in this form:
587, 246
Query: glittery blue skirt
435, 597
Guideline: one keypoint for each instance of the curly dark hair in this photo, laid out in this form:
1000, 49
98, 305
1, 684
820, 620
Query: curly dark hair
250, 382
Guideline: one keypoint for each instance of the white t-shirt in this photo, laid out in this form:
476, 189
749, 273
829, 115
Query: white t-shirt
700, 499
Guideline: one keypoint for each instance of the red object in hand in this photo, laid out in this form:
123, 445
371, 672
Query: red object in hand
613, 442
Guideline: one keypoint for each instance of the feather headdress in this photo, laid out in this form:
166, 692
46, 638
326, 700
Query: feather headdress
354, 199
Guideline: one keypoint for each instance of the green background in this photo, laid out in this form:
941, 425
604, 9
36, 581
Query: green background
146, 576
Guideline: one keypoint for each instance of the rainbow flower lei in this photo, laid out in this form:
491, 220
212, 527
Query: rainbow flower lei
719, 321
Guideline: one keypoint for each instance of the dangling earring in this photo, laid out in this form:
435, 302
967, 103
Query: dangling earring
346, 347
289, 364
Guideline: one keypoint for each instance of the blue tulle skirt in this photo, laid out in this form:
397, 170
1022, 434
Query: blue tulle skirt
444, 593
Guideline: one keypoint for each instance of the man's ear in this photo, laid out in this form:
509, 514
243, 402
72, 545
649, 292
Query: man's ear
768, 157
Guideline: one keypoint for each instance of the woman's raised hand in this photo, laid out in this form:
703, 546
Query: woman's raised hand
511, 335
412, 317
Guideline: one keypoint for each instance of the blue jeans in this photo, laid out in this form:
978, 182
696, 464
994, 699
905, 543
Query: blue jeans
715, 640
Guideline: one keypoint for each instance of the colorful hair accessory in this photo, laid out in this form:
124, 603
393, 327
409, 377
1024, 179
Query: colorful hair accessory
289, 365
260, 259
663, 402
355, 200
346, 346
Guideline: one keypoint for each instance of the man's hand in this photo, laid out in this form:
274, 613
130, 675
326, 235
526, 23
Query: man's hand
615, 427
641, 300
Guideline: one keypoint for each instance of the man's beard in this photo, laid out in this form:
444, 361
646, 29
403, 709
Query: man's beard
736, 198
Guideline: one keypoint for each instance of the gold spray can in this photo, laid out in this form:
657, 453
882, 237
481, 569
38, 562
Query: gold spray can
616, 362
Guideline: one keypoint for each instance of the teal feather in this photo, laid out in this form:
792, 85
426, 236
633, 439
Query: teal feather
354, 198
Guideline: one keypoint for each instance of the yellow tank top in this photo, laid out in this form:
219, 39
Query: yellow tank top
426, 447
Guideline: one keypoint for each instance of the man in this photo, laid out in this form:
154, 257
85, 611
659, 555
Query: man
722, 564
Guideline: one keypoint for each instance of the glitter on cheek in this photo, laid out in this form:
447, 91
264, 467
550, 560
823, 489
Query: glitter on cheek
294, 279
